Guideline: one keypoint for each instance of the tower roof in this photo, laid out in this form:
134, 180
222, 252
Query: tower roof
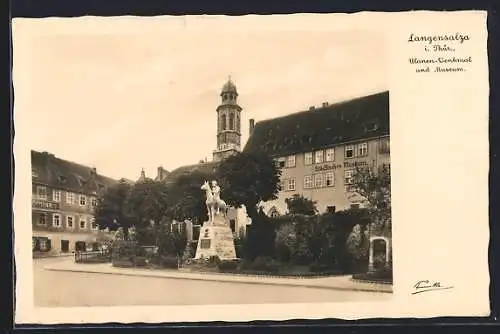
229, 87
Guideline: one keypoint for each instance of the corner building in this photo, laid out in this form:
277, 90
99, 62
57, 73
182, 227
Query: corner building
319, 149
64, 195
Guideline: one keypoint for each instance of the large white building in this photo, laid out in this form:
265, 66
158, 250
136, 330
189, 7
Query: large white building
319, 149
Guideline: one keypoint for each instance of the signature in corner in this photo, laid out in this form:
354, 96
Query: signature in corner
426, 285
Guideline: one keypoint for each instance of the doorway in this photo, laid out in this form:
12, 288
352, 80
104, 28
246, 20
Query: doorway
64, 246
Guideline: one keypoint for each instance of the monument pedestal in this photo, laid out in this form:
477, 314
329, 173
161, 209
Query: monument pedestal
216, 240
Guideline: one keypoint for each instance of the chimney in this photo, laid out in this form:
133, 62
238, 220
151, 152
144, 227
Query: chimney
160, 173
325, 104
93, 171
251, 126
311, 108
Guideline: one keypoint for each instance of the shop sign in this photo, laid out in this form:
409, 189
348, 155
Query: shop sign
353, 164
38, 204
326, 167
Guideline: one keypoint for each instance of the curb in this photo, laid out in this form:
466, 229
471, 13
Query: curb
221, 280
52, 256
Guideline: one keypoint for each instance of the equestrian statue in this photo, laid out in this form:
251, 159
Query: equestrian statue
215, 205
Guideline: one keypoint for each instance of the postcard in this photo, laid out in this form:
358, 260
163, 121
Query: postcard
217, 168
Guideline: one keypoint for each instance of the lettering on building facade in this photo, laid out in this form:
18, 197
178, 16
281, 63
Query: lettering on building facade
351, 164
327, 167
37, 204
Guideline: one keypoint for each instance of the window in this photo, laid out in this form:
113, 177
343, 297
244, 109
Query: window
280, 162
282, 185
42, 219
94, 224
56, 195
308, 158
69, 222
44, 244
232, 224
308, 182
290, 161
329, 179
56, 220
224, 122
41, 192
290, 185
330, 154
70, 198
83, 200
362, 149
318, 157
330, 209
384, 146
83, 223
94, 202
318, 180
231, 121
349, 151
348, 177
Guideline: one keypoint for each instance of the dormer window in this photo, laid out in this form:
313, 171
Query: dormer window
371, 127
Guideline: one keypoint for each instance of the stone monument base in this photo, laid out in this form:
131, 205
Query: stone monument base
216, 240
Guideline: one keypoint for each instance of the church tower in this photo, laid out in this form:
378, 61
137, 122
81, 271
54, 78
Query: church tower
228, 123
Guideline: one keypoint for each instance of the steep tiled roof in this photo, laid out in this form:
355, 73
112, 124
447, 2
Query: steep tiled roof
59, 173
321, 127
162, 174
206, 167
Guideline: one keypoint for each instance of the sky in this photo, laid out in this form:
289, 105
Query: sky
124, 101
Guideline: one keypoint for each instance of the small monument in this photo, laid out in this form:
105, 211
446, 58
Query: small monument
216, 237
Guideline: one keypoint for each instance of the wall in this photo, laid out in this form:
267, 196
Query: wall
56, 237
328, 195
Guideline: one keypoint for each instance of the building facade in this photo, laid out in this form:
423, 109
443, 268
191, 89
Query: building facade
64, 195
318, 150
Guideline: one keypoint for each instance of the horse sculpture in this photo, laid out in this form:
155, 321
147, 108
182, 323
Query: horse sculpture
210, 202
214, 203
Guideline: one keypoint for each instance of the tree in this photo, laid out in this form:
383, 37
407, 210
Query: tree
357, 245
170, 241
298, 204
187, 199
111, 210
285, 240
248, 179
148, 201
374, 188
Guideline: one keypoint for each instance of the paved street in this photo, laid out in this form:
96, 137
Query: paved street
66, 289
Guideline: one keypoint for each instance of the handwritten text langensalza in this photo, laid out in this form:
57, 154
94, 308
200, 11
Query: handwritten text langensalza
457, 37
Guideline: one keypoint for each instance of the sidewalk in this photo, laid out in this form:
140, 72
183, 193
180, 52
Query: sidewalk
333, 283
